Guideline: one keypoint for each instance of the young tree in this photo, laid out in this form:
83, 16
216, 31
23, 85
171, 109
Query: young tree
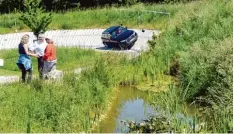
34, 16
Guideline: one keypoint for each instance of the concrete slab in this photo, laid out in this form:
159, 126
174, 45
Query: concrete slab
8, 79
84, 38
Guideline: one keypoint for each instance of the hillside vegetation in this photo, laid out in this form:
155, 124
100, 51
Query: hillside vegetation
195, 49
132, 17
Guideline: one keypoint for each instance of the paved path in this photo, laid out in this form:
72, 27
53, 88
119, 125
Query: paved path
14, 78
8, 79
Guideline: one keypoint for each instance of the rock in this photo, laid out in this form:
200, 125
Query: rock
79, 70
55, 74
1, 62
142, 124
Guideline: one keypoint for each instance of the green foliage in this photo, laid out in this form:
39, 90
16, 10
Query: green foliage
211, 72
199, 39
211, 82
34, 17
192, 35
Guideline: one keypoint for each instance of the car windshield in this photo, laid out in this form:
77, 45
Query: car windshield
118, 31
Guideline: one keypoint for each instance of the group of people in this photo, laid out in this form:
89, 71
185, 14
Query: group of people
45, 52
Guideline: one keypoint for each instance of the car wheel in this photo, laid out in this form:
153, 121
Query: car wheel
106, 46
130, 46
123, 46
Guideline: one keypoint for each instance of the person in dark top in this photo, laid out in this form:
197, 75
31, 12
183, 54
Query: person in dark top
24, 62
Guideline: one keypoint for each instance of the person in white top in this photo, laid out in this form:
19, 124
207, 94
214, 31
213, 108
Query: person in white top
38, 48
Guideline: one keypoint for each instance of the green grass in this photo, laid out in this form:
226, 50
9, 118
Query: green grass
6, 72
50, 107
99, 18
68, 60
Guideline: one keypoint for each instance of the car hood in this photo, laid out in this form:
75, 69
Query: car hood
124, 35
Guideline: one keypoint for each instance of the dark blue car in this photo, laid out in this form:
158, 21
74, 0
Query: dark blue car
118, 36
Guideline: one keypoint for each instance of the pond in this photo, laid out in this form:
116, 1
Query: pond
130, 105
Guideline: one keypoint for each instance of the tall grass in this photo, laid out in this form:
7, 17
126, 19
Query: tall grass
50, 107
180, 116
200, 40
63, 106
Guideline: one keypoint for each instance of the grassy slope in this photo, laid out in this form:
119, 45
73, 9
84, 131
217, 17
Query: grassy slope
98, 18
194, 30
199, 41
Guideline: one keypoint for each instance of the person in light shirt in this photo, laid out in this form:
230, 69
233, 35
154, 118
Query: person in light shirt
38, 48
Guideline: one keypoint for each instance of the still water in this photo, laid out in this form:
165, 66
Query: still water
130, 105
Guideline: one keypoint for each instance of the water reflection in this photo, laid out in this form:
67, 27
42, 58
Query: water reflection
130, 104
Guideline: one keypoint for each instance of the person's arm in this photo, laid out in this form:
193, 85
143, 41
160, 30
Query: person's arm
31, 46
27, 52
